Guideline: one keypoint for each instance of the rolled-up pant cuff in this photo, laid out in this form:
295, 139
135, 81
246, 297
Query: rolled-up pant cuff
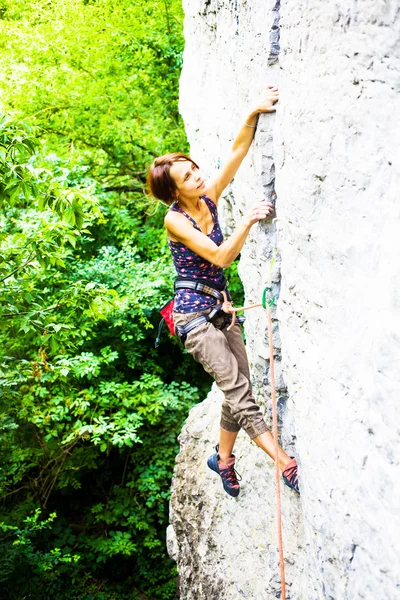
256, 429
228, 426
252, 430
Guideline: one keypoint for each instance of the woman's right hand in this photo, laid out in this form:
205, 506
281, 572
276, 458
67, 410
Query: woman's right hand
258, 211
266, 101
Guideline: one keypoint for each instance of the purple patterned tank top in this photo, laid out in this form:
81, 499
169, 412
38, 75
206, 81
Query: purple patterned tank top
191, 265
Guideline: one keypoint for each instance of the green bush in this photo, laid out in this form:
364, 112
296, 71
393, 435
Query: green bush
89, 410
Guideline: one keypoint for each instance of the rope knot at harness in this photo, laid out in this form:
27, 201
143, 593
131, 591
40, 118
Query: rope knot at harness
228, 308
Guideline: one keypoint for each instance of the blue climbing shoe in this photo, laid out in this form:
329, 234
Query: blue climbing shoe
290, 476
226, 471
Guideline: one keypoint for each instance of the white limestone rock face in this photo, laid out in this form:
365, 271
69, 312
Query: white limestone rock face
338, 176
330, 154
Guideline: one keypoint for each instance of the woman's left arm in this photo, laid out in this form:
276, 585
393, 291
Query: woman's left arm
242, 143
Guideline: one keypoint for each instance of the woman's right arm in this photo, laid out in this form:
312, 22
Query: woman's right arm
223, 255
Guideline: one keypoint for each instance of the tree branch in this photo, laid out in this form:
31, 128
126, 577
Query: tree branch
30, 259
54, 108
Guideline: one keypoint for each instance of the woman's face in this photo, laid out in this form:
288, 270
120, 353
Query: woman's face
188, 179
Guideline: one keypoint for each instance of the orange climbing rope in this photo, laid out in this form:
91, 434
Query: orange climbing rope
228, 308
268, 305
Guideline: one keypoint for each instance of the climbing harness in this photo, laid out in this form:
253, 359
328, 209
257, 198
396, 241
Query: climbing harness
210, 288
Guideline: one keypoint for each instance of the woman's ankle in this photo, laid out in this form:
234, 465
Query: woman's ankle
223, 457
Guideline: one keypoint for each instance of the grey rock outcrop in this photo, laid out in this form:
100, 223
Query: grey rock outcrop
330, 157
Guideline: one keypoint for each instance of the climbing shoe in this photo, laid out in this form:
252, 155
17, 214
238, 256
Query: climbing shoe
227, 473
290, 477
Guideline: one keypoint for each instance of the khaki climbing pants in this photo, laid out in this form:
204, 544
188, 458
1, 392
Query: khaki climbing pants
223, 355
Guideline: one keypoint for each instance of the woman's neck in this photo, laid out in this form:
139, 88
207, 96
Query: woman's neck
190, 204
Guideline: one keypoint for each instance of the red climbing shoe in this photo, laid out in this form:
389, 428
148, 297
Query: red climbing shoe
227, 472
290, 477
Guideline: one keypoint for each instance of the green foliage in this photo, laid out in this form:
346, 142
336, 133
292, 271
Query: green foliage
235, 284
101, 76
20, 553
84, 398
89, 410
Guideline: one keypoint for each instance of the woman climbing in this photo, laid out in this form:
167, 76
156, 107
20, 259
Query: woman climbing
200, 255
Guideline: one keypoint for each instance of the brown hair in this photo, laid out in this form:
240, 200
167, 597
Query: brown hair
159, 180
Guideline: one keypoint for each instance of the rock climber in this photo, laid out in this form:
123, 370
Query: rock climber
200, 254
